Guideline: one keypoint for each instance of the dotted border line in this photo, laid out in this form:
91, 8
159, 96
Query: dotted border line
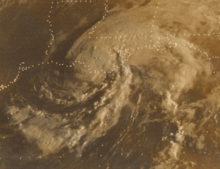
21, 69
71, 1
126, 51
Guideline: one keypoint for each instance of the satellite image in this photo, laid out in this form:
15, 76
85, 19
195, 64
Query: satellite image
109, 84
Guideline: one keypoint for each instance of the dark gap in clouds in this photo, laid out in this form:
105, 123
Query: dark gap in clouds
145, 3
129, 5
65, 46
68, 24
193, 95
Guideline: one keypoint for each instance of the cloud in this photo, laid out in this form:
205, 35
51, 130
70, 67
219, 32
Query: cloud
45, 129
53, 131
7, 3
59, 38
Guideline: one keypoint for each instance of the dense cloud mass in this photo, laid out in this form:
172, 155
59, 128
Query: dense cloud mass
137, 89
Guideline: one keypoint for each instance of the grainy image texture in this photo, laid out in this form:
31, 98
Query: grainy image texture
109, 84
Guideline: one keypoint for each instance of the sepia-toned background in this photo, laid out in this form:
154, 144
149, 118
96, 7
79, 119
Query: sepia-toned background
114, 84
